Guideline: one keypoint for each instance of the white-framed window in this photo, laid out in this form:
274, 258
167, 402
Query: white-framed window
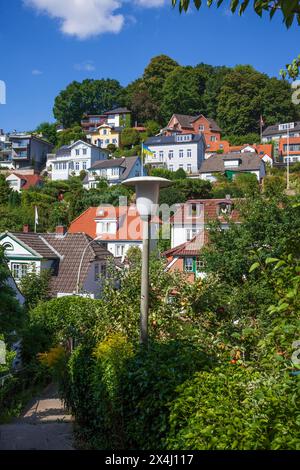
106, 141
120, 250
161, 154
181, 166
84, 165
213, 138
181, 153
19, 270
190, 234
115, 171
171, 167
64, 165
77, 166
114, 141
189, 153
189, 168
77, 151
201, 128
200, 265
71, 166
189, 265
84, 151
104, 132
171, 154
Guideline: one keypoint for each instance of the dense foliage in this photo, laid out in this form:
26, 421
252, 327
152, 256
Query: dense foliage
236, 97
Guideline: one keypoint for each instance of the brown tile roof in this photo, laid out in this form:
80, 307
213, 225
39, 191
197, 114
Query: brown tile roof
190, 248
249, 161
35, 242
211, 211
71, 247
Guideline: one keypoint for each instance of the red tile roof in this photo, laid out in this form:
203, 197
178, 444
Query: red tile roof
211, 211
129, 224
30, 180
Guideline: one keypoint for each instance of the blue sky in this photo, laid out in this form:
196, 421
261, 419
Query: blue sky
45, 44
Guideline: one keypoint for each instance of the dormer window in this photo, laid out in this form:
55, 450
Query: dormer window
231, 163
201, 128
224, 208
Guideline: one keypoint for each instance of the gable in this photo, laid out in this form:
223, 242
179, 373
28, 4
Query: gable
18, 248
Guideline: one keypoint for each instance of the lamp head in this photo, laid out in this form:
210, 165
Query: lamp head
147, 192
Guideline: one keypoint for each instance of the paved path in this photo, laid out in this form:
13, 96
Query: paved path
44, 425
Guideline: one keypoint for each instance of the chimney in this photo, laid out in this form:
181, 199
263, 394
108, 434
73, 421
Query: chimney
26, 228
60, 231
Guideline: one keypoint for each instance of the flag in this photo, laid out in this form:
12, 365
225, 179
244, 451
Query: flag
147, 151
36, 216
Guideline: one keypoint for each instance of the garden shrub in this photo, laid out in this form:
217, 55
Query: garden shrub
236, 408
148, 386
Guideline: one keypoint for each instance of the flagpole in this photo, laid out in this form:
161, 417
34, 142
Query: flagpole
142, 158
260, 128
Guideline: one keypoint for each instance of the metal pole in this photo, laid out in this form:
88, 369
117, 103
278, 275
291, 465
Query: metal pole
145, 282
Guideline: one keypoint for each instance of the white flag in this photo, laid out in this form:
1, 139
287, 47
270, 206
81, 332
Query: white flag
36, 217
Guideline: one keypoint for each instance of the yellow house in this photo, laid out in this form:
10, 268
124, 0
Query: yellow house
105, 135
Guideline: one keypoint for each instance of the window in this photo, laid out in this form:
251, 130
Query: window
190, 234
171, 154
180, 153
189, 265
103, 270
114, 141
224, 208
171, 167
189, 153
19, 270
8, 247
77, 167
71, 165
64, 165
115, 171
213, 138
84, 164
104, 132
77, 151
120, 250
161, 155
107, 141
200, 265
84, 151
181, 166
189, 168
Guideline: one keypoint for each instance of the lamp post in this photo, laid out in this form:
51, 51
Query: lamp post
147, 194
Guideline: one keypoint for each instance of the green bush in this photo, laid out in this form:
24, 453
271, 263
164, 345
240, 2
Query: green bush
236, 408
148, 386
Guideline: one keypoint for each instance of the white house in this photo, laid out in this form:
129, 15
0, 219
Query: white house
76, 261
70, 160
114, 171
177, 151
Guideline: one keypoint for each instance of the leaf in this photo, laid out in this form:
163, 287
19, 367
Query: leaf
271, 260
254, 266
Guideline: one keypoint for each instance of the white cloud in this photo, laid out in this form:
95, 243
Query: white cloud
87, 66
36, 72
87, 18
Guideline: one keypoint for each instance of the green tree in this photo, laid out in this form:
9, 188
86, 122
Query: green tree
36, 288
130, 137
10, 311
155, 75
182, 92
68, 136
5, 190
49, 131
87, 97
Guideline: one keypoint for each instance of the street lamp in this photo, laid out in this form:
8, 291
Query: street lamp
147, 194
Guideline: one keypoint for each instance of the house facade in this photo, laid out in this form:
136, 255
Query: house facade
19, 182
28, 152
186, 151
105, 135
186, 124
75, 261
72, 159
115, 118
114, 171
118, 228
190, 233
289, 149
232, 164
